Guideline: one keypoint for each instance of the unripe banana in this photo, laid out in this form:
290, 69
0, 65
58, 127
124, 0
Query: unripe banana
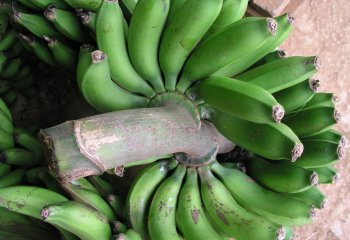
270, 140
280, 177
311, 196
8, 40
191, 217
36, 24
119, 227
232, 11
240, 99
29, 4
117, 205
232, 44
270, 57
281, 74
326, 174
320, 153
39, 47
301, 93
14, 177
6, 140
332, 136
3, 60
130, 5
90, 199
141, 191
25, 71
18, 157
10, 97
92, 5
145, 31
43, 4
102, 186
88, 19
16, 50
230, 217
175, 5
65, 55
161, 216
273, 206
4, 169
12, 68
86, 223
5, 109
29, 142
110, 38
188, 26
67, 23
103, 94
5, 122
320, 99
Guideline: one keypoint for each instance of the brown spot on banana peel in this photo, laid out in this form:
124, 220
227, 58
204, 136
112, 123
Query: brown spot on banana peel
297, 151
195, 215
281, 233
314, 179
50, 12
271, 25
314, 84
336, 178
277, 113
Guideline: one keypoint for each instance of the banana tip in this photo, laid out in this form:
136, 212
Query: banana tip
297, 151
119, 171
341, 152
281, 234
317, 63
44, 213
116, 226
314, 84
120, 236
337, 115
336, 178
85, 17
343, 141
98, 56
290, 18
49, 13
282, 53
314, 179
272, 25
277, 113
312, 213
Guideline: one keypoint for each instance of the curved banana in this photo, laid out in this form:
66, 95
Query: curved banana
4, 169
6, 140
85, 184
240, 99
188, 26
25, 71
326, 174
301, 93
8, 40
270, 57
141, 191
65, 55
67, 23
270, 140
320, 99
331, 135
191, 217
43, 4
85, 222
232, 44
5, 122
175, 6
145, 31
29, 142
117, 205
230, 217
161, 216
92, 5
280, 177
311, 196
273, 206
232, 11
103, 187
14, 177
99, 90
18, 157
12, 68
110, 37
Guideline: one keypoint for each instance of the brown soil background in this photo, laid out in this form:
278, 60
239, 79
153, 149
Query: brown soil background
322, 28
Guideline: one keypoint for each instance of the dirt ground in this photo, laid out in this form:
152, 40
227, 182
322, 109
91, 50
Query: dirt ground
322, 28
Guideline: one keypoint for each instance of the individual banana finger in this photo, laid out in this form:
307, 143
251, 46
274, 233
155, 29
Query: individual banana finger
29, 142
5, 122
6, 140
8, 40
4, 169
14, 177
18, 157
117, 205
332, 136
326, 174
12, 68
311, 196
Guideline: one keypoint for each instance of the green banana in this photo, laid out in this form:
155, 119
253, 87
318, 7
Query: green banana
4, 20
29, 142
270, 140
88, 19
103, 187
230, 217
18, 157
320, 99
270, 57
8, 40
5, 109
311, 121
244, 36
85, 184
129, 235
280, 177
119, 227
191, 217
332, 136
6, 140
16, 50
161, 216
4, 169
3, 60
84, 222
311, 196
188, 26
281, 74
174, 7
24, 83
320, 153
29, 4
232, 11
67, 23
141, 191
130, 5
117, 205
326, 174
43, 4
240, 99
65, 55
110, 39
92, 5
36, 24
39, 47
5, 86
14, 177
301, 93
12, 68
99, 90
90, 199
10, 97
145, 31
5, 122
273, 206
